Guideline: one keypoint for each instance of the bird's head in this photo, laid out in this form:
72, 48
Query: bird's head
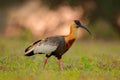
78, 24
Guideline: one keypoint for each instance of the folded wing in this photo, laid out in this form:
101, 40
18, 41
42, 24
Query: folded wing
47, 46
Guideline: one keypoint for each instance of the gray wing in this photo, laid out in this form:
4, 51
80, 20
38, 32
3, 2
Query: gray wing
47, 45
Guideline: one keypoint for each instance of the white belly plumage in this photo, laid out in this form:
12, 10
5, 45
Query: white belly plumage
45, 48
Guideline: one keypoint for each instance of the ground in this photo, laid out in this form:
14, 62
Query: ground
86, 60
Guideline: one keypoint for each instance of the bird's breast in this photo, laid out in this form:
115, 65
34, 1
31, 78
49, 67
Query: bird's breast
70, 42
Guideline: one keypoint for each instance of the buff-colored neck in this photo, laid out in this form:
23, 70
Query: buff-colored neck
72, 34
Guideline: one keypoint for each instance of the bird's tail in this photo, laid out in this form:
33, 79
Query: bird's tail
29, 51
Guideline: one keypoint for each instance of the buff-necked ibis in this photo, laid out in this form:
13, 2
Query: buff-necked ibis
55, 45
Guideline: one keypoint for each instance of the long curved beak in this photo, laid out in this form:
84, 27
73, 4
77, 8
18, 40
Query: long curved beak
85, 29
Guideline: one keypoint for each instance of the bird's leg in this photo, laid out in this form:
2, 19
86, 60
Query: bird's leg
45, 61
60, 64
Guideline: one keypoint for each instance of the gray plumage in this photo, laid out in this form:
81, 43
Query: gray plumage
50, 46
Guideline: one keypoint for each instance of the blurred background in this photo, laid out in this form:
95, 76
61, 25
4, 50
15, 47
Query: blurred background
28, 19
91, 58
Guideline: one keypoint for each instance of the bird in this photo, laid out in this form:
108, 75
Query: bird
55, 45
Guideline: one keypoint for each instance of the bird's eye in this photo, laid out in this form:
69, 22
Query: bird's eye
77, 22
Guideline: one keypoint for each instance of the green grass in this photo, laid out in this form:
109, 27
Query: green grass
86, 60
